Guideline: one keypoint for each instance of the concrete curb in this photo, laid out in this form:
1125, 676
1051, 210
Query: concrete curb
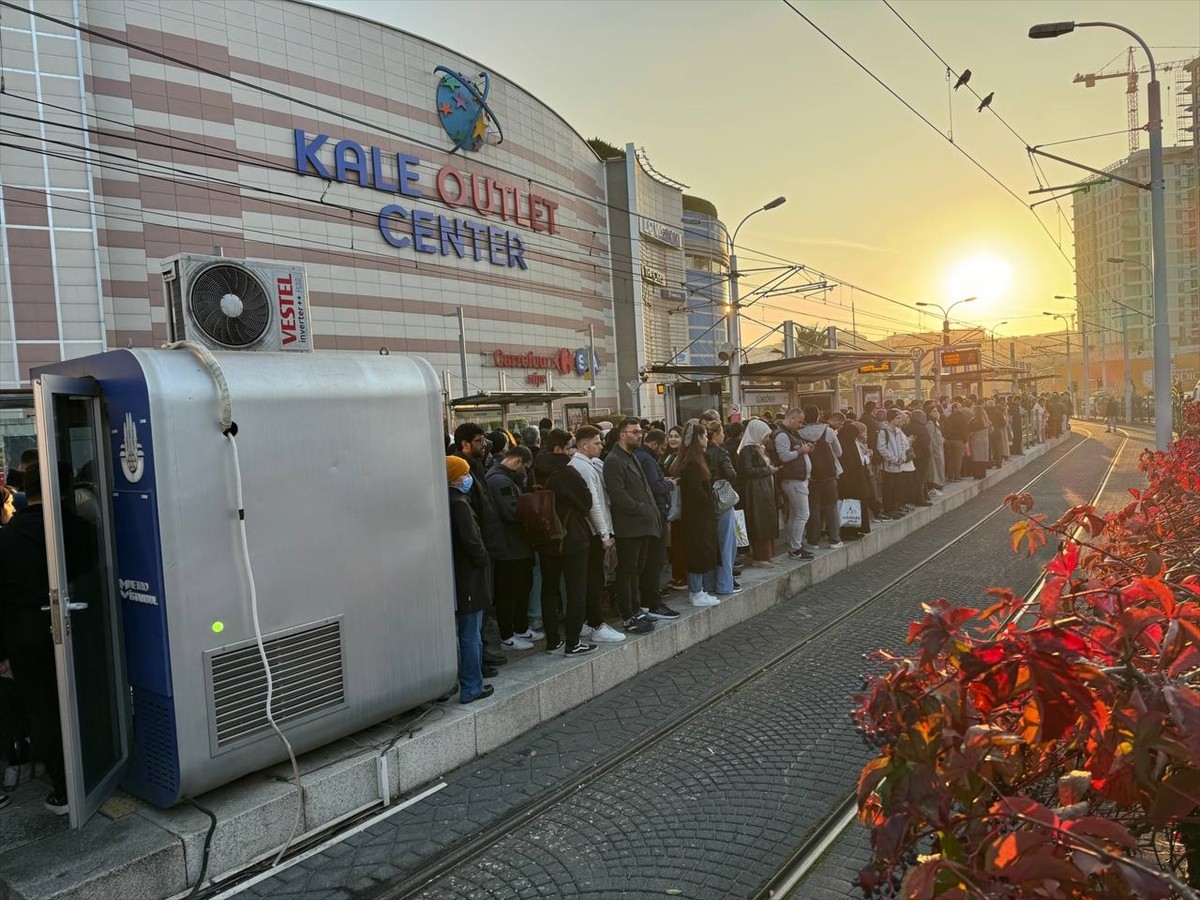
154, 853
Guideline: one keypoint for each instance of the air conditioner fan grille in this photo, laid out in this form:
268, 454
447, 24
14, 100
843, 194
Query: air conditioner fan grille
230, 306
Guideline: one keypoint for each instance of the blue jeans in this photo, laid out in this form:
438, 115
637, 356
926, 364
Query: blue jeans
702, 581
727, 542
470, 655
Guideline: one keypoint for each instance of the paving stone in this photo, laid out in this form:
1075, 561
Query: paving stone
713, 807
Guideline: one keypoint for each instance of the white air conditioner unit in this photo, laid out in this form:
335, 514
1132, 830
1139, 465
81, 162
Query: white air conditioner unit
229, 304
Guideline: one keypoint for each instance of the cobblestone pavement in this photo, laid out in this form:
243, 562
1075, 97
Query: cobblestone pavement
833, 877
710, 810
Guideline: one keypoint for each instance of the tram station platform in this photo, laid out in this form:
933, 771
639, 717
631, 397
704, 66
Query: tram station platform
133, 850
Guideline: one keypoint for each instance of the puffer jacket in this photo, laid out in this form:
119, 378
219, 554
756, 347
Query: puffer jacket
509, 542
893, 446
599, 516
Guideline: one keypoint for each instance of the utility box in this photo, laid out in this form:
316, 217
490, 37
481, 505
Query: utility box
345, 506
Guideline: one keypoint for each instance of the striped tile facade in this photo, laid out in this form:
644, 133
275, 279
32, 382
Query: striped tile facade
148, 129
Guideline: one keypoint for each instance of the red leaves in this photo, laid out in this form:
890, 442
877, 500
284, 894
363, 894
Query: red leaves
1092, 700
1027, 531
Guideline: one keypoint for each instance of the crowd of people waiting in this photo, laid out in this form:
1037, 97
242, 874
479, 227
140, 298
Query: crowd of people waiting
545, 525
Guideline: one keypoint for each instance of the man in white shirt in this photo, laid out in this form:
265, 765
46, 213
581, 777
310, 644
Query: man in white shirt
586, 461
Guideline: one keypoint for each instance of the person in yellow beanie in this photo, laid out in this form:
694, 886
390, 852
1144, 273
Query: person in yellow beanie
472, 581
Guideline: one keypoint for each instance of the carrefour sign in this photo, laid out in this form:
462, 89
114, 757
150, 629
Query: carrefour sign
407, 227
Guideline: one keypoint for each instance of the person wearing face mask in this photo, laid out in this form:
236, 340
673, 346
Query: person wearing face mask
472, 581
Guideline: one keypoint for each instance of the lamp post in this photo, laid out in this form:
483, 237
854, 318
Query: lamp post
1084, 349
1120, 261
1066, 328
994, 329
1158, 227
735, 325
945, 311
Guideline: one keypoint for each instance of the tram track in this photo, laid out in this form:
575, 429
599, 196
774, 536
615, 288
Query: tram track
805, 858
475, 848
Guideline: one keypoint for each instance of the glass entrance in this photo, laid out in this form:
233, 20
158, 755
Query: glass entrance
85, 620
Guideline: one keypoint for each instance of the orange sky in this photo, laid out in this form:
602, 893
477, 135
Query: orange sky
745, 101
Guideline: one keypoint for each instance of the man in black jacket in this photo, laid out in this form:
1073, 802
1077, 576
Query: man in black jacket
28, 644
635, 522
564, 559
647, 455
512, 559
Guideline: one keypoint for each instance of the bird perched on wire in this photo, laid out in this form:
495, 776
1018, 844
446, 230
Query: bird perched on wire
963, 79
987, 101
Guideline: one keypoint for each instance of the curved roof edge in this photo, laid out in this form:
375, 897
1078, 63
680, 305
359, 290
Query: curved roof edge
433, 43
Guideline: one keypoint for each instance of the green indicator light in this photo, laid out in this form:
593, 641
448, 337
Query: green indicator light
218, 627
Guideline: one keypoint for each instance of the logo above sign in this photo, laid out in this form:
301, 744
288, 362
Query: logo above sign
463, 110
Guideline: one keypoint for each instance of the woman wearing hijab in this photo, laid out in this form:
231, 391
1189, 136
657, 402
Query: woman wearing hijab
698, 517
757, 487
472, 581
854, 483
937, 444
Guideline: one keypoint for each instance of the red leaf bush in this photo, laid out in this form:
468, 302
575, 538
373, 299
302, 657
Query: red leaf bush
1052, 750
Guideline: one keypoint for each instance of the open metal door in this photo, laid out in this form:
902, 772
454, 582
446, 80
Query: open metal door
84, 614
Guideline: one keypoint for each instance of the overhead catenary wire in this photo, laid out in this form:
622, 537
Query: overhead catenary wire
1057, 243
150, 51
133, 46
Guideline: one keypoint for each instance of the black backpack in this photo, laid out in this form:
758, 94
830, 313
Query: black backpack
824, 464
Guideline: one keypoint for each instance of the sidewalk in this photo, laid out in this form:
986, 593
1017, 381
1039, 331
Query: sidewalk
131, 850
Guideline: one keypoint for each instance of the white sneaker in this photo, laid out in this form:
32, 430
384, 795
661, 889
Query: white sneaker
837, 545
531, 634
935, 493
607, 634
810, 547
516, 642
704, 599
585, 633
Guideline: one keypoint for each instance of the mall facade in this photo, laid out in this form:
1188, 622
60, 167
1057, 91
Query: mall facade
409, 182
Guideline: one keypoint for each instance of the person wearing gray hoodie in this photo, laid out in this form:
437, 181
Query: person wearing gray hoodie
824, 469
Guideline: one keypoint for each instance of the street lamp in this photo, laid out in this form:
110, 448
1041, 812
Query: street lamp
1067, 328
945, 311
1158, 227
1084, 349
735, 325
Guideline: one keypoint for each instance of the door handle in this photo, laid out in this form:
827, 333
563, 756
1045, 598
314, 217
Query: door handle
75, 607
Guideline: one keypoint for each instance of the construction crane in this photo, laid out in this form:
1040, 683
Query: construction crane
1131, 91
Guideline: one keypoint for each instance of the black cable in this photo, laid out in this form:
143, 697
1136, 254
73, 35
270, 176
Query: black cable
336, 113
212, 827
281, 95
979, 165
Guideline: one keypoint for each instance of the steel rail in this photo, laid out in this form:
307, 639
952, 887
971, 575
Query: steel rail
801, 861
474, 847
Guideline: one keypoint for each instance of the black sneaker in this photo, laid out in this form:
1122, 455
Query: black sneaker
5, 800
639, 625
487, 691
662, 611
579, 649
494, 659
57, 803
490, 672
553, 644
800, 554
